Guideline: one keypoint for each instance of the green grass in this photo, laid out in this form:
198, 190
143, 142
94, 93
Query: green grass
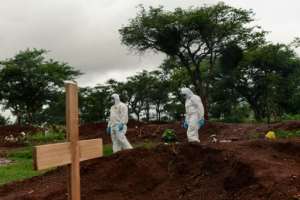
287, 134
147, 145
20, 169
42, 138
22, 166
107, 150
291, 117
280, 134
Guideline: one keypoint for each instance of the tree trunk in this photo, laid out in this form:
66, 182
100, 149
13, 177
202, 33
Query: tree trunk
19, 120
203, 94
137, 115
147, 112
257, 113
157, 113
159, 118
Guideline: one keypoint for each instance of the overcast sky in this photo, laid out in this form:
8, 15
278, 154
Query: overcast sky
84, 33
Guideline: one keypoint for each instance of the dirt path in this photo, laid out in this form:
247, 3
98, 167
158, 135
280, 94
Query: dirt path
245, 170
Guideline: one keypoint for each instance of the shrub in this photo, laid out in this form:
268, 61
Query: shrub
43, 138
169, 136
287, 134
291, 117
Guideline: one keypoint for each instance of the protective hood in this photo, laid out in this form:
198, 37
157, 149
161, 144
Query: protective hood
116, 98
186, 92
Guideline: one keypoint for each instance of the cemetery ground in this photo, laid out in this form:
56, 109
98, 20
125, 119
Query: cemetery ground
241, 165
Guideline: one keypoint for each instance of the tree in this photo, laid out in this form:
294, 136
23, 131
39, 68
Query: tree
54, 111
295, 43
139, 87
264, 76
192, 36
28, 82
224, 99
159, 92
3, 120
94, 103
177, 78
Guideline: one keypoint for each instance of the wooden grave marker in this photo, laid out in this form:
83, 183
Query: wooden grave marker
73, 151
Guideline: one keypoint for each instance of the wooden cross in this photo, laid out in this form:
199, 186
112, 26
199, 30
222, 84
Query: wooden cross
71, 152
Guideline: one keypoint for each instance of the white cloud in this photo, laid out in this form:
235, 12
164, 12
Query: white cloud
85, 34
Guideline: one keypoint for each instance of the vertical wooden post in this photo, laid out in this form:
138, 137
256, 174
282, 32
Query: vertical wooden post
73, 137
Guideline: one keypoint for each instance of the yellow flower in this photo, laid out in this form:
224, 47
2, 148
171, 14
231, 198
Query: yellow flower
271, 135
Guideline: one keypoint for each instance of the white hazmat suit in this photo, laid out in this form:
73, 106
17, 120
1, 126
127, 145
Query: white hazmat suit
117, 125
194, 117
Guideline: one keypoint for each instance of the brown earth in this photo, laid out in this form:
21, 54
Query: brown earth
240, 170
247, 170
140, 132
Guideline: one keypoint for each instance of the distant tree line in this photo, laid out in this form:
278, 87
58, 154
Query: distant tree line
215, 50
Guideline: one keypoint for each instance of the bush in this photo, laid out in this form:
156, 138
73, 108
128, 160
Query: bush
44, 138
291, 117
169, 136
287, 134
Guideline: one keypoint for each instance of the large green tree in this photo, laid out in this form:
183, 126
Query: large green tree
192, 37
138, 88
266, 77
94, 103
28, 81
159, 92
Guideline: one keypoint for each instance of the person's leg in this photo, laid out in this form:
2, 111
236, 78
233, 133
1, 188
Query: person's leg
115, 142
123, 141
192, 132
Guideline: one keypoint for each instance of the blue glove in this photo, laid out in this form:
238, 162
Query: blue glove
108, 130
120, 126
185, 125
201, 123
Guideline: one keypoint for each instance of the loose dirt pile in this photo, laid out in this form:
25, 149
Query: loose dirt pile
248, 170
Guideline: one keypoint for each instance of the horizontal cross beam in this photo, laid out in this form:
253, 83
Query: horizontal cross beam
59, 154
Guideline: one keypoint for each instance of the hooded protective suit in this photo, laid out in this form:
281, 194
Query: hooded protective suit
194, 117
117, 125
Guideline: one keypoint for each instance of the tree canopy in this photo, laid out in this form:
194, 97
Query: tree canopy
194, 37
28, 81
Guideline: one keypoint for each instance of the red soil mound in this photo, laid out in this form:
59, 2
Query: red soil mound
250, 170
139, 132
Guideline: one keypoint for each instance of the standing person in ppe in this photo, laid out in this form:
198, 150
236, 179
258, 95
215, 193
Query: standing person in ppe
194, 117
117, 125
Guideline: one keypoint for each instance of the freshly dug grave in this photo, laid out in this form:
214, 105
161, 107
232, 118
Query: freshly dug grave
248, 170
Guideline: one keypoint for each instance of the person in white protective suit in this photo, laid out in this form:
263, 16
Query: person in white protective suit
194, 117
117, 125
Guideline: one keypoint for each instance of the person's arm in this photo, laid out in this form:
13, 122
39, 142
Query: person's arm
198, 102
124, 114
109, 120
